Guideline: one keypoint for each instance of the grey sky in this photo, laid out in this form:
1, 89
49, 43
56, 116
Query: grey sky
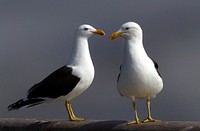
36, 38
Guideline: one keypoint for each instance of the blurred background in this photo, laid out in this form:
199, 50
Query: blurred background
36, 38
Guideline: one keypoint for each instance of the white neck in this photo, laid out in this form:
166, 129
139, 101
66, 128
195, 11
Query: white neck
80, 54
134, 51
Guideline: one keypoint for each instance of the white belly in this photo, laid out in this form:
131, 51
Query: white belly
139, 82
87, 76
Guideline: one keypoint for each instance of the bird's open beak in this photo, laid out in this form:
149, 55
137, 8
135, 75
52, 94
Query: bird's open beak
115, 35
99, 32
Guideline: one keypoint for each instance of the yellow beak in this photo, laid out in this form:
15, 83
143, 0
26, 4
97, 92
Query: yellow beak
115, 35
99, 32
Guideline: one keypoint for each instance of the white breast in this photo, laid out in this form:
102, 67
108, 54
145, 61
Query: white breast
138, 76
82, 67
139, 81
86, 75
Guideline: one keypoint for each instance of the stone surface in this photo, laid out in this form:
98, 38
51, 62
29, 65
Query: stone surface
13, 124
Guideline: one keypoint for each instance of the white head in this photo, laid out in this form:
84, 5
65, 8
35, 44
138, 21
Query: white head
87, 31
129, 30
80, 53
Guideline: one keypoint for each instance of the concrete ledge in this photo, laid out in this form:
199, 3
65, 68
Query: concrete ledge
13, 124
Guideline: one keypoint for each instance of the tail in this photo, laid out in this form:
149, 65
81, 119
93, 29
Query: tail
25, 103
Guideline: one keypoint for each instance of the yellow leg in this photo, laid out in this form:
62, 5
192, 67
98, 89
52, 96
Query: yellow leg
137, 120
149, 118
72, 117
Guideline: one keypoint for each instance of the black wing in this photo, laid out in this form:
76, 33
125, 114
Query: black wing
119, 73
59, 83
156, 66
24, 102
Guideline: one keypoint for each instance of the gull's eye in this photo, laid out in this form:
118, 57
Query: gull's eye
127, 28
86, 28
